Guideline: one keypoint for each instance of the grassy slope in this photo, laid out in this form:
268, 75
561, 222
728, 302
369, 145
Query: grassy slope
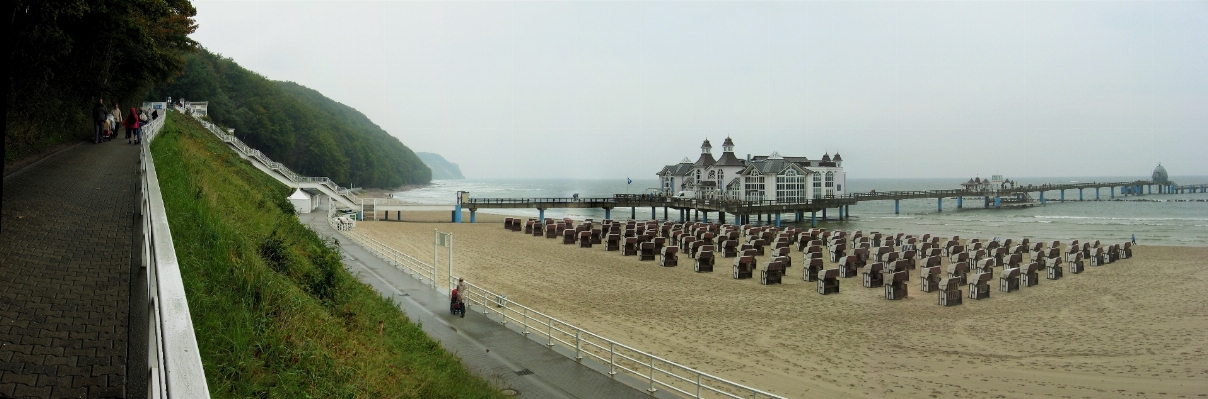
276, 314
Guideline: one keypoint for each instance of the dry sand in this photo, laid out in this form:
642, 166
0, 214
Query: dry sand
1134, 328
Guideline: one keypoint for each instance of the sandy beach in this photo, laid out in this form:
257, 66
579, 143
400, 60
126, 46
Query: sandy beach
1133, 328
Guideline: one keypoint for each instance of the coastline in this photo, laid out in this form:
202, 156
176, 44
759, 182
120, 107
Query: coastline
791, 340
384, 193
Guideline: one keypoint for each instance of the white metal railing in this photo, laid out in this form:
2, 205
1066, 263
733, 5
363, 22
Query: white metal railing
658, 372
285, 171
175, 369
415, 267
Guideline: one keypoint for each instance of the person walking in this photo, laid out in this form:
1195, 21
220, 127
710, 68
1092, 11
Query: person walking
99, 114
1134, 239
132, 126
116, 113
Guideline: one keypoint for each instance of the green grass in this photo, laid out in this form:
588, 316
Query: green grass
276, 314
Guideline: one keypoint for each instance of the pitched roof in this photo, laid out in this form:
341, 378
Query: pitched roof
705, 159
728, 159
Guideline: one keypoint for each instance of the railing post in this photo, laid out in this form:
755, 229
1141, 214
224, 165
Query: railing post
612, 358
698, 384
578, 345
526, 331
652, 388
549, 321
503, 314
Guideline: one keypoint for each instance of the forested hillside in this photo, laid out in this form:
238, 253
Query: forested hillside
64, 54
442, 169
297, 126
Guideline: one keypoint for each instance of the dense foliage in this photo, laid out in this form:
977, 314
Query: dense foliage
276, 313
297, 126
63, 54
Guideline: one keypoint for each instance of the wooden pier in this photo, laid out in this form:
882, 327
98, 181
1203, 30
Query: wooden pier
745, 211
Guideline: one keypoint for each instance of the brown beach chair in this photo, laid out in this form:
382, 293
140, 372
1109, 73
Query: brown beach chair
930, 278
874, 275
1029, 276
772, 273
729, 248
584, 239
568, 236
1077, 265
811, 269
979, 285
646, 250
669, 257
958, 271
704, 259
1010, 279
613, 242
895, 285
828, 282
848, 265
950, 292
743, 266
631, 246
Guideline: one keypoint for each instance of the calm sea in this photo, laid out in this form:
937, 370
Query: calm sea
1177, 219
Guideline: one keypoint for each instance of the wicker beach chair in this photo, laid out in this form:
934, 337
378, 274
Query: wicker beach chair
848, 265
979, 285
669, 256
1010, 279
874, 275
743, 266
811, 269
950, 292
828, 282
704, 260
1029, 275
896, 285
773, 272
930, 278
631, 246
958, 271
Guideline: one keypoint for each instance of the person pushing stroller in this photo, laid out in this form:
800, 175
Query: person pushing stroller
456, 303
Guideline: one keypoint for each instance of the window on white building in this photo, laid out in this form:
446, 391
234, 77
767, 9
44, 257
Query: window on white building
790, 186
817, 185
753, 186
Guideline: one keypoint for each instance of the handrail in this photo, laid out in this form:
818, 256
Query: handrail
285, 171
175, 368
396, 258
640, 364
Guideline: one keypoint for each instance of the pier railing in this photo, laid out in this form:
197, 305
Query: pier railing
175, 368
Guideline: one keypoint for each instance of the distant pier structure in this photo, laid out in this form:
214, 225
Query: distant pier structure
762, 189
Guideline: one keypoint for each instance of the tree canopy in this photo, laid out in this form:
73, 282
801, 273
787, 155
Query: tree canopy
295, 125
64, 54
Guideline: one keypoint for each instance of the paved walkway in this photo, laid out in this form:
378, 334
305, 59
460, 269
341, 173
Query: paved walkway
66, 238
490, 349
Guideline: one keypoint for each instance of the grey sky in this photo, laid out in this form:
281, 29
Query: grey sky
615, 89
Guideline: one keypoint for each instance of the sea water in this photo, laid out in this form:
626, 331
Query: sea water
1167, 219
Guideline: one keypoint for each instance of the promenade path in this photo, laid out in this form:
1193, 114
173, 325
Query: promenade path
67, 235
490, 349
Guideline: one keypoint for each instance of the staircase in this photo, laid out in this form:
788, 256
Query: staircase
342, 196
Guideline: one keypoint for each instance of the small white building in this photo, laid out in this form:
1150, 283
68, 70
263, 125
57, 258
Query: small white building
200, 108
759, 178
992, 185
303, 201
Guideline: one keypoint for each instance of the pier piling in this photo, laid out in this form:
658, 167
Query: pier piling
960, 202
897, 206
939, 204
814, 219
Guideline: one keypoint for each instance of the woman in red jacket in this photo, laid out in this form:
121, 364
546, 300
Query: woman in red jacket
133, 124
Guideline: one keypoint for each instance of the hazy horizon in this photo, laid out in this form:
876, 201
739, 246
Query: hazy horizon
616, 89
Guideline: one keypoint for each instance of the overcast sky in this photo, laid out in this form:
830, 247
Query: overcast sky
615, 89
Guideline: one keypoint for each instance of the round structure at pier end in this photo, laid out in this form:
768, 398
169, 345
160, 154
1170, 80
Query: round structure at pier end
1159, 175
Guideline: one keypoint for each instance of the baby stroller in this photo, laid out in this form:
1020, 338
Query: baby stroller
456, 306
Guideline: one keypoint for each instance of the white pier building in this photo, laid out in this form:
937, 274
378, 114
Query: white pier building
759, 178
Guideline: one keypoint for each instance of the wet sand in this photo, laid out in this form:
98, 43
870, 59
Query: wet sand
1133, 328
